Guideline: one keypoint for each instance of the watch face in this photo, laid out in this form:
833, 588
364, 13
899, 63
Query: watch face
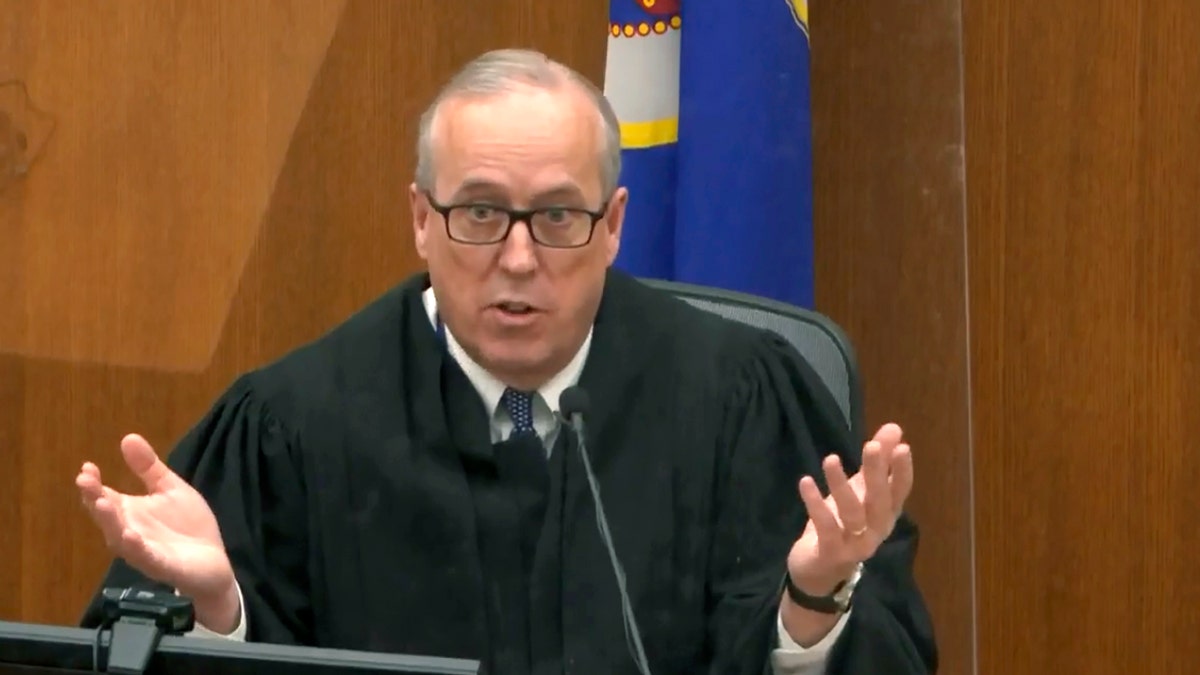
842, 596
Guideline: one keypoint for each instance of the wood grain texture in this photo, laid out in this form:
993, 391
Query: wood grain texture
889, 230
1083, 128
171, 124
227, 181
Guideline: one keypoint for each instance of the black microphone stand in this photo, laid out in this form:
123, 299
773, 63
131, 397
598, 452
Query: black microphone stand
573, 404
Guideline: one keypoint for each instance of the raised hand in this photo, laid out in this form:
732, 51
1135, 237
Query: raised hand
169, 534
847, 527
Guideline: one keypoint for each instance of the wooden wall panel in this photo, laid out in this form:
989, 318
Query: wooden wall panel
1083, 129
1055, 405
224, 182
171, 124
889, 230
12, 468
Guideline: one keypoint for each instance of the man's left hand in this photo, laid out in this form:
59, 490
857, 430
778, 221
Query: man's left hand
847, 527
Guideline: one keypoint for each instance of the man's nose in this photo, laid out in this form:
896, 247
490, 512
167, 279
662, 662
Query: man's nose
517, 255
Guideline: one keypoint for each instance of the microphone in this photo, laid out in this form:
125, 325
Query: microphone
573, 405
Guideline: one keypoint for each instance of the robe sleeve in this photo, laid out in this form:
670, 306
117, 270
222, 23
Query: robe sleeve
779, 422
245, 463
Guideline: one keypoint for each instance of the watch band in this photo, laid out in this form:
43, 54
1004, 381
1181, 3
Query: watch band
836, 602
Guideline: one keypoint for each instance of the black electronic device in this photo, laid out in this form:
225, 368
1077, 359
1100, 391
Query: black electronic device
140, 625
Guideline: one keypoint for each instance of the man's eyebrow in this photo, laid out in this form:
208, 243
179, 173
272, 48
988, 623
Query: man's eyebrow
560, 191
476, 186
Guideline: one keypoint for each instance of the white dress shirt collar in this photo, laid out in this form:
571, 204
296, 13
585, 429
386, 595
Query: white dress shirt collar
490, 388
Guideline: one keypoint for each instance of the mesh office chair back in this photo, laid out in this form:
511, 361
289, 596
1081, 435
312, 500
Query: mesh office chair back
815, 336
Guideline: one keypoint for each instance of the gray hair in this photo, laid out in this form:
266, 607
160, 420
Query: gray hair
503, 71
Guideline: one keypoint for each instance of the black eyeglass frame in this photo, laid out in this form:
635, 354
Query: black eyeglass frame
517, 216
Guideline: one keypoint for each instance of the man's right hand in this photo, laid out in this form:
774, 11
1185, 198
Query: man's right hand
169, 534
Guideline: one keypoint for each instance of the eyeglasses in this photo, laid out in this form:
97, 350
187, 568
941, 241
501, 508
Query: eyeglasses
480, 223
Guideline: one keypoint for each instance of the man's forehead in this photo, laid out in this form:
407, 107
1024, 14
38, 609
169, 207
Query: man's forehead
525, 111
488, 144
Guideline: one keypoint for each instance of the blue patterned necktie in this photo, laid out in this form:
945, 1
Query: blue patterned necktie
519, 405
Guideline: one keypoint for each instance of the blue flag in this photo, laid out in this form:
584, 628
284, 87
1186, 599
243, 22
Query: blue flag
716, 136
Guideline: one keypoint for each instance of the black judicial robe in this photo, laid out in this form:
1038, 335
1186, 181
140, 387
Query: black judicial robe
364, 507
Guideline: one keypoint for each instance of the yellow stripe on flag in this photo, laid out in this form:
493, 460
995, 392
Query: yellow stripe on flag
800, 14
649, 134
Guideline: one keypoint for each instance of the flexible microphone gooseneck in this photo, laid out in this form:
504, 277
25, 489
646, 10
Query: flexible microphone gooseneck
573, 404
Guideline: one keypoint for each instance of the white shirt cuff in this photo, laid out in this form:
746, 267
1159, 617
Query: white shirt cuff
792, 659
238, 634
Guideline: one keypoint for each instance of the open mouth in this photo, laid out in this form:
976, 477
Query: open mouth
515, 308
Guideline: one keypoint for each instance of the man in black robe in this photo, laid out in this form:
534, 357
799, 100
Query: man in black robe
405, 484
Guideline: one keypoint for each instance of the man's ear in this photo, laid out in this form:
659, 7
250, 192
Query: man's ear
420, 215
613, 223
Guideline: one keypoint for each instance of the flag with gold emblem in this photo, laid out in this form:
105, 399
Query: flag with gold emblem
713, 98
